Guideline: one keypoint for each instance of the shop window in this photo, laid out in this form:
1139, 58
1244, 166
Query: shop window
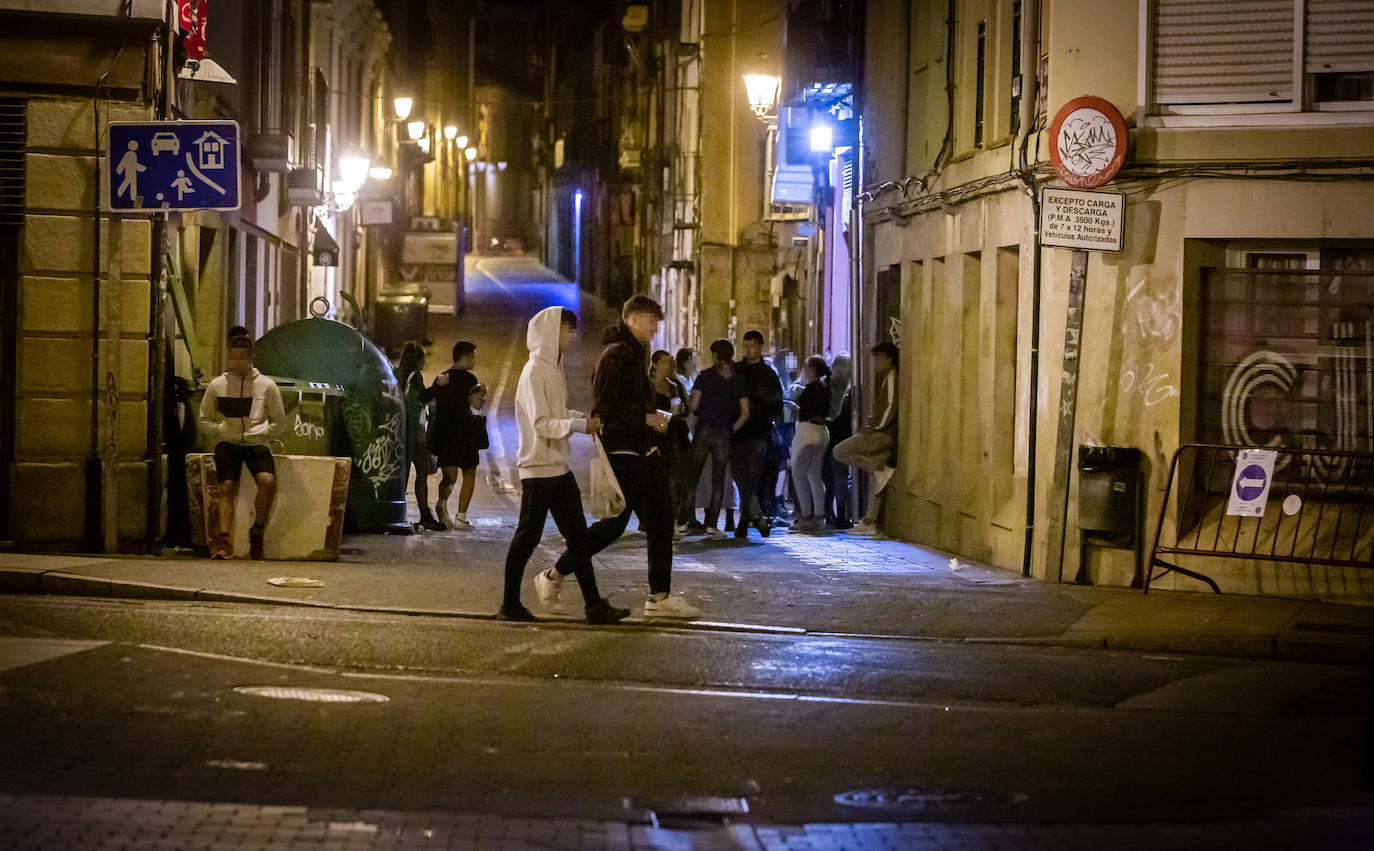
1287, 351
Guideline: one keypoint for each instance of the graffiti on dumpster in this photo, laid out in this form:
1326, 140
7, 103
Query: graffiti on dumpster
308, 428
383, 459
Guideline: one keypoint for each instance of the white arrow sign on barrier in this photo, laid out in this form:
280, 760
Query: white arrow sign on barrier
1250, 484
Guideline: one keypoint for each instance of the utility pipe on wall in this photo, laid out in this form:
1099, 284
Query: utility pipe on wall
1029, 62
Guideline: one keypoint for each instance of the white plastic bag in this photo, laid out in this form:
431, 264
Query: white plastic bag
608, 500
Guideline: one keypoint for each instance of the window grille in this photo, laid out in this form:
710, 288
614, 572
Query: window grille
13, 137
1287, 355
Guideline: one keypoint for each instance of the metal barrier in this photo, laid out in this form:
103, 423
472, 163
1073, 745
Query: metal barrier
1306, 506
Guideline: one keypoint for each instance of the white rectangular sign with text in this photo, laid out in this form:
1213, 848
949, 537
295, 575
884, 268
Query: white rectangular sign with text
1088, 221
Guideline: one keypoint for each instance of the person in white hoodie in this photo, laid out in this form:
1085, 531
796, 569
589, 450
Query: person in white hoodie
241, 411
546, 483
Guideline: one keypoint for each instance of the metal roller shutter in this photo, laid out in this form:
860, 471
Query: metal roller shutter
1223, 52
13, 135
1339, 36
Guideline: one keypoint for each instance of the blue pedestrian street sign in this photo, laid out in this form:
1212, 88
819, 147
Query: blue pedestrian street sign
173, 165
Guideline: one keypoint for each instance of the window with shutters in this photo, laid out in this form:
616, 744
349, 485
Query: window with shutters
1261, 55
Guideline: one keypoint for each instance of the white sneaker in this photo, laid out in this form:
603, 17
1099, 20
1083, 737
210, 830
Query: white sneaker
713, 532
867, 530
882, 477
548, 586
680, 528
670, 607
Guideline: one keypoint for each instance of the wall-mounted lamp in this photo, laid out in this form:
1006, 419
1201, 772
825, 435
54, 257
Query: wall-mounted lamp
415, 129
471, 154
822, 139
461, 142
763, 94
451, 132
501, 165
379, 172
402, 105
353, 169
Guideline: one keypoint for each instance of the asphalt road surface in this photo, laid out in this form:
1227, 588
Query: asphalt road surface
147, 700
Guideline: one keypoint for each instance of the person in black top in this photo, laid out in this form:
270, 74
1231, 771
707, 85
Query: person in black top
417, 397
670, 396
451, 432
632, 430
808, 446
755, 440
721, 408
836, 475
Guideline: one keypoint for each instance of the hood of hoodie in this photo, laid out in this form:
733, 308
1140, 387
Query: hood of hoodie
541, 336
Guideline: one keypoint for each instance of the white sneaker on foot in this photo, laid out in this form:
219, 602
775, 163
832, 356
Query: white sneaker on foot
670, 607
548, 586
713, 532
882, 477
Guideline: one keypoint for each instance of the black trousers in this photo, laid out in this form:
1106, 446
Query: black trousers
644, 481
538, 497
748, 456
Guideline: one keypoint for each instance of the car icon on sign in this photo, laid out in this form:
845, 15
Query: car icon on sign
165, 141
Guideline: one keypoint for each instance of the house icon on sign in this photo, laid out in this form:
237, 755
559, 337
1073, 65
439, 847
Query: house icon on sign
210, 150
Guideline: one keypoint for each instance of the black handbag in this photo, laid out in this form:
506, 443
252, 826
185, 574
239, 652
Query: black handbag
478, 425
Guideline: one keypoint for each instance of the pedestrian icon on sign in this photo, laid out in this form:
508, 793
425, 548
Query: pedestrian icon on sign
128, 169
183, 185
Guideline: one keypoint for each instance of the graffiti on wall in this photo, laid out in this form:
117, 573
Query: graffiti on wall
1149, 322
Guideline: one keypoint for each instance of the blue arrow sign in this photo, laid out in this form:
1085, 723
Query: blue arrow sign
1250, 483
173, 165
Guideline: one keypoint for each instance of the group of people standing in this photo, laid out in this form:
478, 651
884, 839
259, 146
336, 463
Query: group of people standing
736, 424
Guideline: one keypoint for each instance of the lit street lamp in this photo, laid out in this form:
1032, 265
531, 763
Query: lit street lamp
402, 105
763, 94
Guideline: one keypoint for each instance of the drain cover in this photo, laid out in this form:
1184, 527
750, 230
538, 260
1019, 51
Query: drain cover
318, 695
924, 799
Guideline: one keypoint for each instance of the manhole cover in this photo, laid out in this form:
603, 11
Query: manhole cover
318, 695
924, 799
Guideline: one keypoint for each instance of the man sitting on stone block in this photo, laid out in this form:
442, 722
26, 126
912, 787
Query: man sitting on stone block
242, 410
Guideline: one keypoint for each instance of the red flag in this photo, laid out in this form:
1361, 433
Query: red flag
191, 19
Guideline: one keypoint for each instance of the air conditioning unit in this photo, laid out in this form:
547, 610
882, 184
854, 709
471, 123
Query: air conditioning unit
305, 187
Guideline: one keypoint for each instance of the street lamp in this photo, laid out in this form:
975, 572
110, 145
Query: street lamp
353, 169
471, 154
822, 139
451, 132
402, 105
379, 172
763, 94
461, 142
415, 130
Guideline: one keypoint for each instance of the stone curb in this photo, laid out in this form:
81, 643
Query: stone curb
1288, 644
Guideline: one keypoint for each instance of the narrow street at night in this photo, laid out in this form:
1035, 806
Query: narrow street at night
831, 681
686, 425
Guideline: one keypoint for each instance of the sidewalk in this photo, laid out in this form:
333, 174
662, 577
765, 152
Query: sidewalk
804, 584
830, 584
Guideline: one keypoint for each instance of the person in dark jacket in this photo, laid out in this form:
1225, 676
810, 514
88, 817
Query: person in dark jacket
749, 451
451, 433
632, 431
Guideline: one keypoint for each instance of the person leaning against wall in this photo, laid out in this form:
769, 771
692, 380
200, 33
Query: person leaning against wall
872, 448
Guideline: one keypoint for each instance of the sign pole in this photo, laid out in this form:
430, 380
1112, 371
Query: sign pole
157, 360
1068, 408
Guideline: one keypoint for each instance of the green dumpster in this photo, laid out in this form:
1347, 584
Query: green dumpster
371, 411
